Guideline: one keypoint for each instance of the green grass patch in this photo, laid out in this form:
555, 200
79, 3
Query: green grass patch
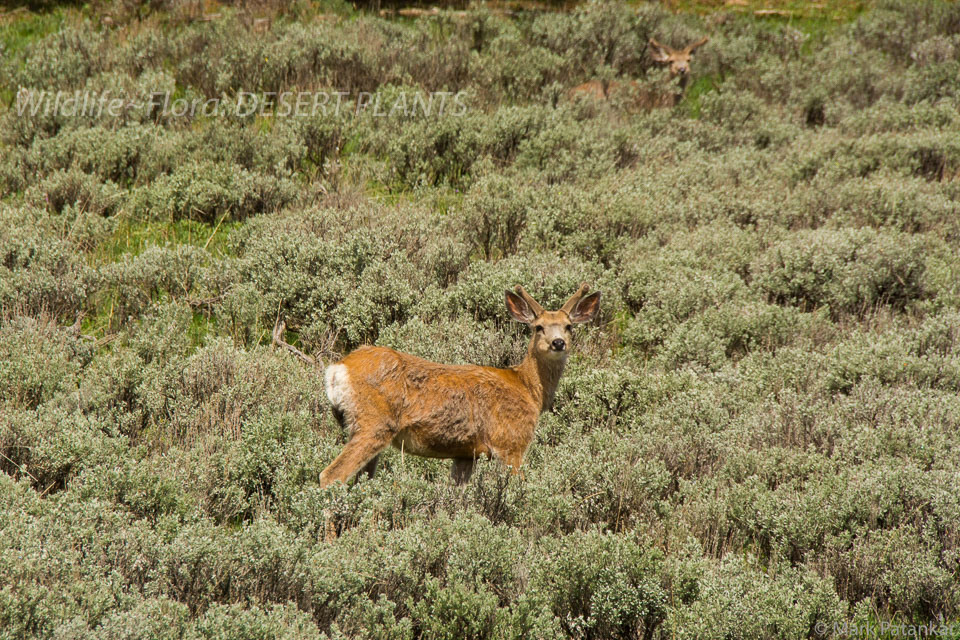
99, 318
132, 237
19, 28
695, 92
101, 321
201, 326
447, 199
779, 10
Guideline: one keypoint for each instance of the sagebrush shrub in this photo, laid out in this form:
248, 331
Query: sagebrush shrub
848, 269
329, 279
209, 192
40, 359
39, 272
601, 585
85, 193
60, 60
784, 605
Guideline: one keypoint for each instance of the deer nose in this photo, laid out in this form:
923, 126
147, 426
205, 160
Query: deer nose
559, 344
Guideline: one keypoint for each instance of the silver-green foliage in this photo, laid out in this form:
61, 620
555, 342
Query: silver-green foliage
758, 439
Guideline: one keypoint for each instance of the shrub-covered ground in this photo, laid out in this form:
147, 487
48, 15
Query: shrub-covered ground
760, 438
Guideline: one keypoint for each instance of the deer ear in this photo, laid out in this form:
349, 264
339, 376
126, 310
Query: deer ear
519, 308
587, 309
658, 52
699, 43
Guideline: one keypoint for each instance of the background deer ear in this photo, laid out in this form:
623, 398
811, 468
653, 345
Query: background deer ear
658, 52
519, 308
587, 309
699, 43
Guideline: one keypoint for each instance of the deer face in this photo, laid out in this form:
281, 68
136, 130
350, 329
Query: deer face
552, 330
552, 333
677, 59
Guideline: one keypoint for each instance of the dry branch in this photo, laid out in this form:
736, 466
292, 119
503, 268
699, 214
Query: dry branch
278, 329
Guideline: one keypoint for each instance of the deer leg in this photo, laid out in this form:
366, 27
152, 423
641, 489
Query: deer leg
357, 454
372, 433
461, 470
371, 467
514, 461
371, 430
338, 416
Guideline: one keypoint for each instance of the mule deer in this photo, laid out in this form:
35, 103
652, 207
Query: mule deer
645, 97
461, 412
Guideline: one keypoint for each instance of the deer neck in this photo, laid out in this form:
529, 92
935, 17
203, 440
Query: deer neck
541, 374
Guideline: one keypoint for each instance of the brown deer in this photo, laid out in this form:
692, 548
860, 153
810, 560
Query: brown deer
645, 98
462, 412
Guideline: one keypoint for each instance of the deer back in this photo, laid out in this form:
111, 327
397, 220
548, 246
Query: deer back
433, 409
637, 96
593, 89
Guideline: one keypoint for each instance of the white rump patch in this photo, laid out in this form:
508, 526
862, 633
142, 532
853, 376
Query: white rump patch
338, 387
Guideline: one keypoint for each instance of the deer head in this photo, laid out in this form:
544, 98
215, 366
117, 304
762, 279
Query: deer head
678, 59
552, 330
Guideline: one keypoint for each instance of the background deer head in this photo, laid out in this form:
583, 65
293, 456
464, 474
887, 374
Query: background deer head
678, 59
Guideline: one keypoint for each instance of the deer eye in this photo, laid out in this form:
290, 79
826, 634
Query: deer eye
539, 329
570, 328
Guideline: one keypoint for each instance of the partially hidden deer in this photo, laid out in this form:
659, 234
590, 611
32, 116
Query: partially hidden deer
463, 412
678, 63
